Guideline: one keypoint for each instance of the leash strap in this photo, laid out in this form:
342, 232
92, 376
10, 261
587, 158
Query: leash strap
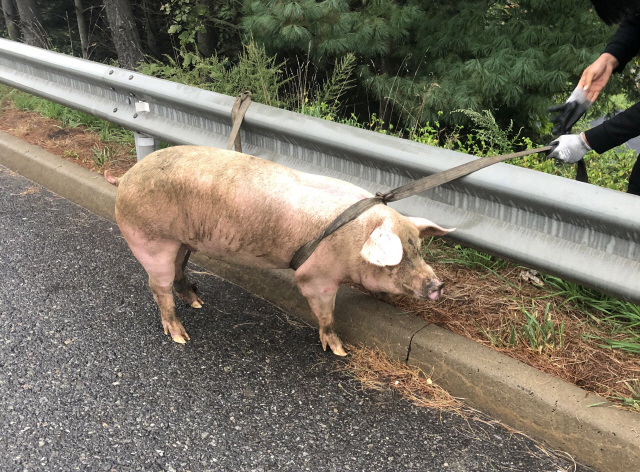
237, 114
581, 172
413, 188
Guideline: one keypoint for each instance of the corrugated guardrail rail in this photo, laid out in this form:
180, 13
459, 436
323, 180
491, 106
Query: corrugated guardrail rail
576, 231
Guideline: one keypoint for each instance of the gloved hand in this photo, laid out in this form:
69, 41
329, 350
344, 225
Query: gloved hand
569, 148
569, 112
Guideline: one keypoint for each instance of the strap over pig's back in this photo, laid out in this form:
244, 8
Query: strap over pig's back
237, 115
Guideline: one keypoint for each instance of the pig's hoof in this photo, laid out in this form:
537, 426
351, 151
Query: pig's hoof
179, 339
178, 334
338, 351
332, 339
188, 296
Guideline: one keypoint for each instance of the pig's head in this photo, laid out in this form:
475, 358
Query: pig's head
394, 263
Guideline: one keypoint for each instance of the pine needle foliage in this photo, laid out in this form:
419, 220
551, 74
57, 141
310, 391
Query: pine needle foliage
418, 58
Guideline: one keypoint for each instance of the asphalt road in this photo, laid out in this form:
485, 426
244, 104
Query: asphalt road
89, 381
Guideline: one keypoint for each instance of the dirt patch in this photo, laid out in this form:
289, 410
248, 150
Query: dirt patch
485, 307
79, 145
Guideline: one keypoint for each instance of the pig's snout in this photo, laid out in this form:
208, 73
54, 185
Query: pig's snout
434, 290
431, 289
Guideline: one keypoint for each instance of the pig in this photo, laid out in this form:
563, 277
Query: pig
245, 210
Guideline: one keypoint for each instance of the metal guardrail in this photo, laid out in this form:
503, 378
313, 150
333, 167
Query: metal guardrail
576, 231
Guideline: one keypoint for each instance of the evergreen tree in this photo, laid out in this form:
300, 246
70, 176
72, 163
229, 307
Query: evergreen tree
376, 31
512, 58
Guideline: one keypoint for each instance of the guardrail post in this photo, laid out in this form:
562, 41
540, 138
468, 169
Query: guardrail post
145, 144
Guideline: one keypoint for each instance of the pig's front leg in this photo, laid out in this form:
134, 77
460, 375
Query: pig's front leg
321, 296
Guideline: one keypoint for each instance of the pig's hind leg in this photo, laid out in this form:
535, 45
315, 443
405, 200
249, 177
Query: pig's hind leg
158, 257
181, 284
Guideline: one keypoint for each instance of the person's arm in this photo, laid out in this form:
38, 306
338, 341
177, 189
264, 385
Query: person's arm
616, 131
625, 44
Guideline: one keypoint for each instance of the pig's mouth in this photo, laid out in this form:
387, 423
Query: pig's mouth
436, 294
432, 291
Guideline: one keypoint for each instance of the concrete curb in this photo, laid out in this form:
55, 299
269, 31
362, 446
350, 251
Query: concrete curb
546, 408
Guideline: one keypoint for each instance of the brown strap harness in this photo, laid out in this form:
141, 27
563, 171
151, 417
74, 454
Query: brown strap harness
408, 190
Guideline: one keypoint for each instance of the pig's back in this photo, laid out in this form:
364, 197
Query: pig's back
222, 202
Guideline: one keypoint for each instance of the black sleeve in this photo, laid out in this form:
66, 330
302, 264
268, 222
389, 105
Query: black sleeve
616, 131
625, 44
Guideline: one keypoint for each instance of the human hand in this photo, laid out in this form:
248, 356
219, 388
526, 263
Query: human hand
596, 76
569, 112
569, 148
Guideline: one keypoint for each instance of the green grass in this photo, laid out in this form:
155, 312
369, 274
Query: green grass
632, 401
68, 117
470, 258
102, 156
540, 332
611, 315
620, 318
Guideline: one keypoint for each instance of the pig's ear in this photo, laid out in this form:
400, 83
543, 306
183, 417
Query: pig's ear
383, 248
429, 228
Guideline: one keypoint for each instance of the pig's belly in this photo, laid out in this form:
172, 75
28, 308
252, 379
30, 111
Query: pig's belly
274, 258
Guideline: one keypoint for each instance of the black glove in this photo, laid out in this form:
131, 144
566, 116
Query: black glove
569, 112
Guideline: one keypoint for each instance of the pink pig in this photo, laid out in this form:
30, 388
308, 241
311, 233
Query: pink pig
245, 210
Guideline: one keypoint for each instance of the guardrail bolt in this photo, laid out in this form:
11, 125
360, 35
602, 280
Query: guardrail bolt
110, 72
115, 110
130, 77
135, 115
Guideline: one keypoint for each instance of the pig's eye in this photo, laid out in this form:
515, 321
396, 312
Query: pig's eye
413, 244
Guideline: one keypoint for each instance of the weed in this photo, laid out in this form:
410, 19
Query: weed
633, 401
461, 255
69, 118
255, 71
542, 334
324, 103
489, 133
615, 310
100, 157
630, 344
619, 316
633, 385
506, 337
23, 101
